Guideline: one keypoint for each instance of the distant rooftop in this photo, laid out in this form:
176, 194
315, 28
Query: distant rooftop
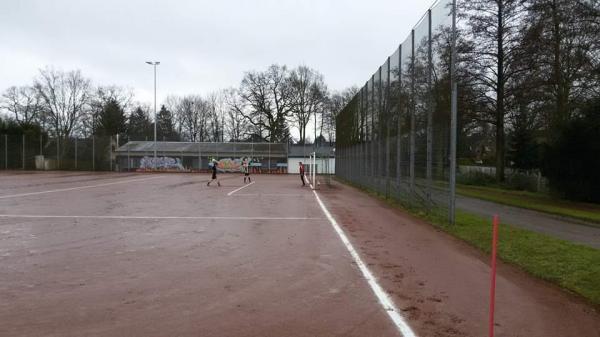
138, 147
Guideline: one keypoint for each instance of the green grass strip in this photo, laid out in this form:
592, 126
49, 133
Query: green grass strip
534, 201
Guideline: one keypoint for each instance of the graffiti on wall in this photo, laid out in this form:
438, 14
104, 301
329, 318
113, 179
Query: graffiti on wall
161, 163
228, 165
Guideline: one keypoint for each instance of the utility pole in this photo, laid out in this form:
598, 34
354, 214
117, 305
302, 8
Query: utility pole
154, 64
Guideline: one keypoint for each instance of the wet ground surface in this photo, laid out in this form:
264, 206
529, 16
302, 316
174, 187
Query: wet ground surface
165, 255
86, 254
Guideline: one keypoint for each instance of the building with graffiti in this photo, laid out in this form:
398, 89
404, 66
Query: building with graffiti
194, 157
191, 157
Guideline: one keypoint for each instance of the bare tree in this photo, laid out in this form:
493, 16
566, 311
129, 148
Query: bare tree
336, 102
64, 97
269, 99
23, 103
236, 126
309, 96
216, 114
192, 116
495, 27
563, 42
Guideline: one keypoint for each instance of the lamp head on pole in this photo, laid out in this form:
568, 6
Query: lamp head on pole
153, 63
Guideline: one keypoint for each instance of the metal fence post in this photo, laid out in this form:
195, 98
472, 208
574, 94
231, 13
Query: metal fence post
453, 121
429, 114
23, 157
128, 158
58, 151
387, 136
110, 153
93, 153
412, 115
369, 148
356, 162
399, 121
6, 152
373, 154
399, 149
199, 157
76, 153
353, 162
269, 170
380, 119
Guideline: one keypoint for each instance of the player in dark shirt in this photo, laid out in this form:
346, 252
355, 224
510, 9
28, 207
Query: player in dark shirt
246, 170
214, 174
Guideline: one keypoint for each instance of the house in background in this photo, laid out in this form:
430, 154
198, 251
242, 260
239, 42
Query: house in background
301, 153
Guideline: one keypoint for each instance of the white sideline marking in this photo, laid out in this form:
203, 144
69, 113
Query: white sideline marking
75, 188
154, 217
268, 195
383, 298
309, 182
230, 193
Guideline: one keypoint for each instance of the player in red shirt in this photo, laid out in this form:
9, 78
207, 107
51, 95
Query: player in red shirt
302, 174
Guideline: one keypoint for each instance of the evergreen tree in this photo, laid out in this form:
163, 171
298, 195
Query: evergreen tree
112, 119
165, 130
139, 126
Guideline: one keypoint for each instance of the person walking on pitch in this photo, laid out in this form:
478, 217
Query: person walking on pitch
246, 170
214, 174
302, 174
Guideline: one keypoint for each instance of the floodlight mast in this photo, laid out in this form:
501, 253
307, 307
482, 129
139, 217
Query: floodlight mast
154, 64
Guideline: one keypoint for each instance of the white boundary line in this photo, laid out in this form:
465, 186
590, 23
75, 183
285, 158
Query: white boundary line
382, 296
230, 193
75, 188
269, 195
308, 181
120, 217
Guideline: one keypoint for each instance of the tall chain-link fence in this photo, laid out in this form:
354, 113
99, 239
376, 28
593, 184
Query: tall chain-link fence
40, 152
105, 153
394, 136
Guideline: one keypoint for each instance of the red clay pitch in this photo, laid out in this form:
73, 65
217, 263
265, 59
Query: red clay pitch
87, 254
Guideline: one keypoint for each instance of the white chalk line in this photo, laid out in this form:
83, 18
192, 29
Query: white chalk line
381, 295
134, 217
238, 189
308, 181
268, 195
75, 188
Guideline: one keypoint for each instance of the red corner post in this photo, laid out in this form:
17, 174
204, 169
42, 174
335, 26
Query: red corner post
493, 285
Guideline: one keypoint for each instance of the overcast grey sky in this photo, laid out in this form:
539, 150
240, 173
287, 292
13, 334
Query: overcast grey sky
202, 45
